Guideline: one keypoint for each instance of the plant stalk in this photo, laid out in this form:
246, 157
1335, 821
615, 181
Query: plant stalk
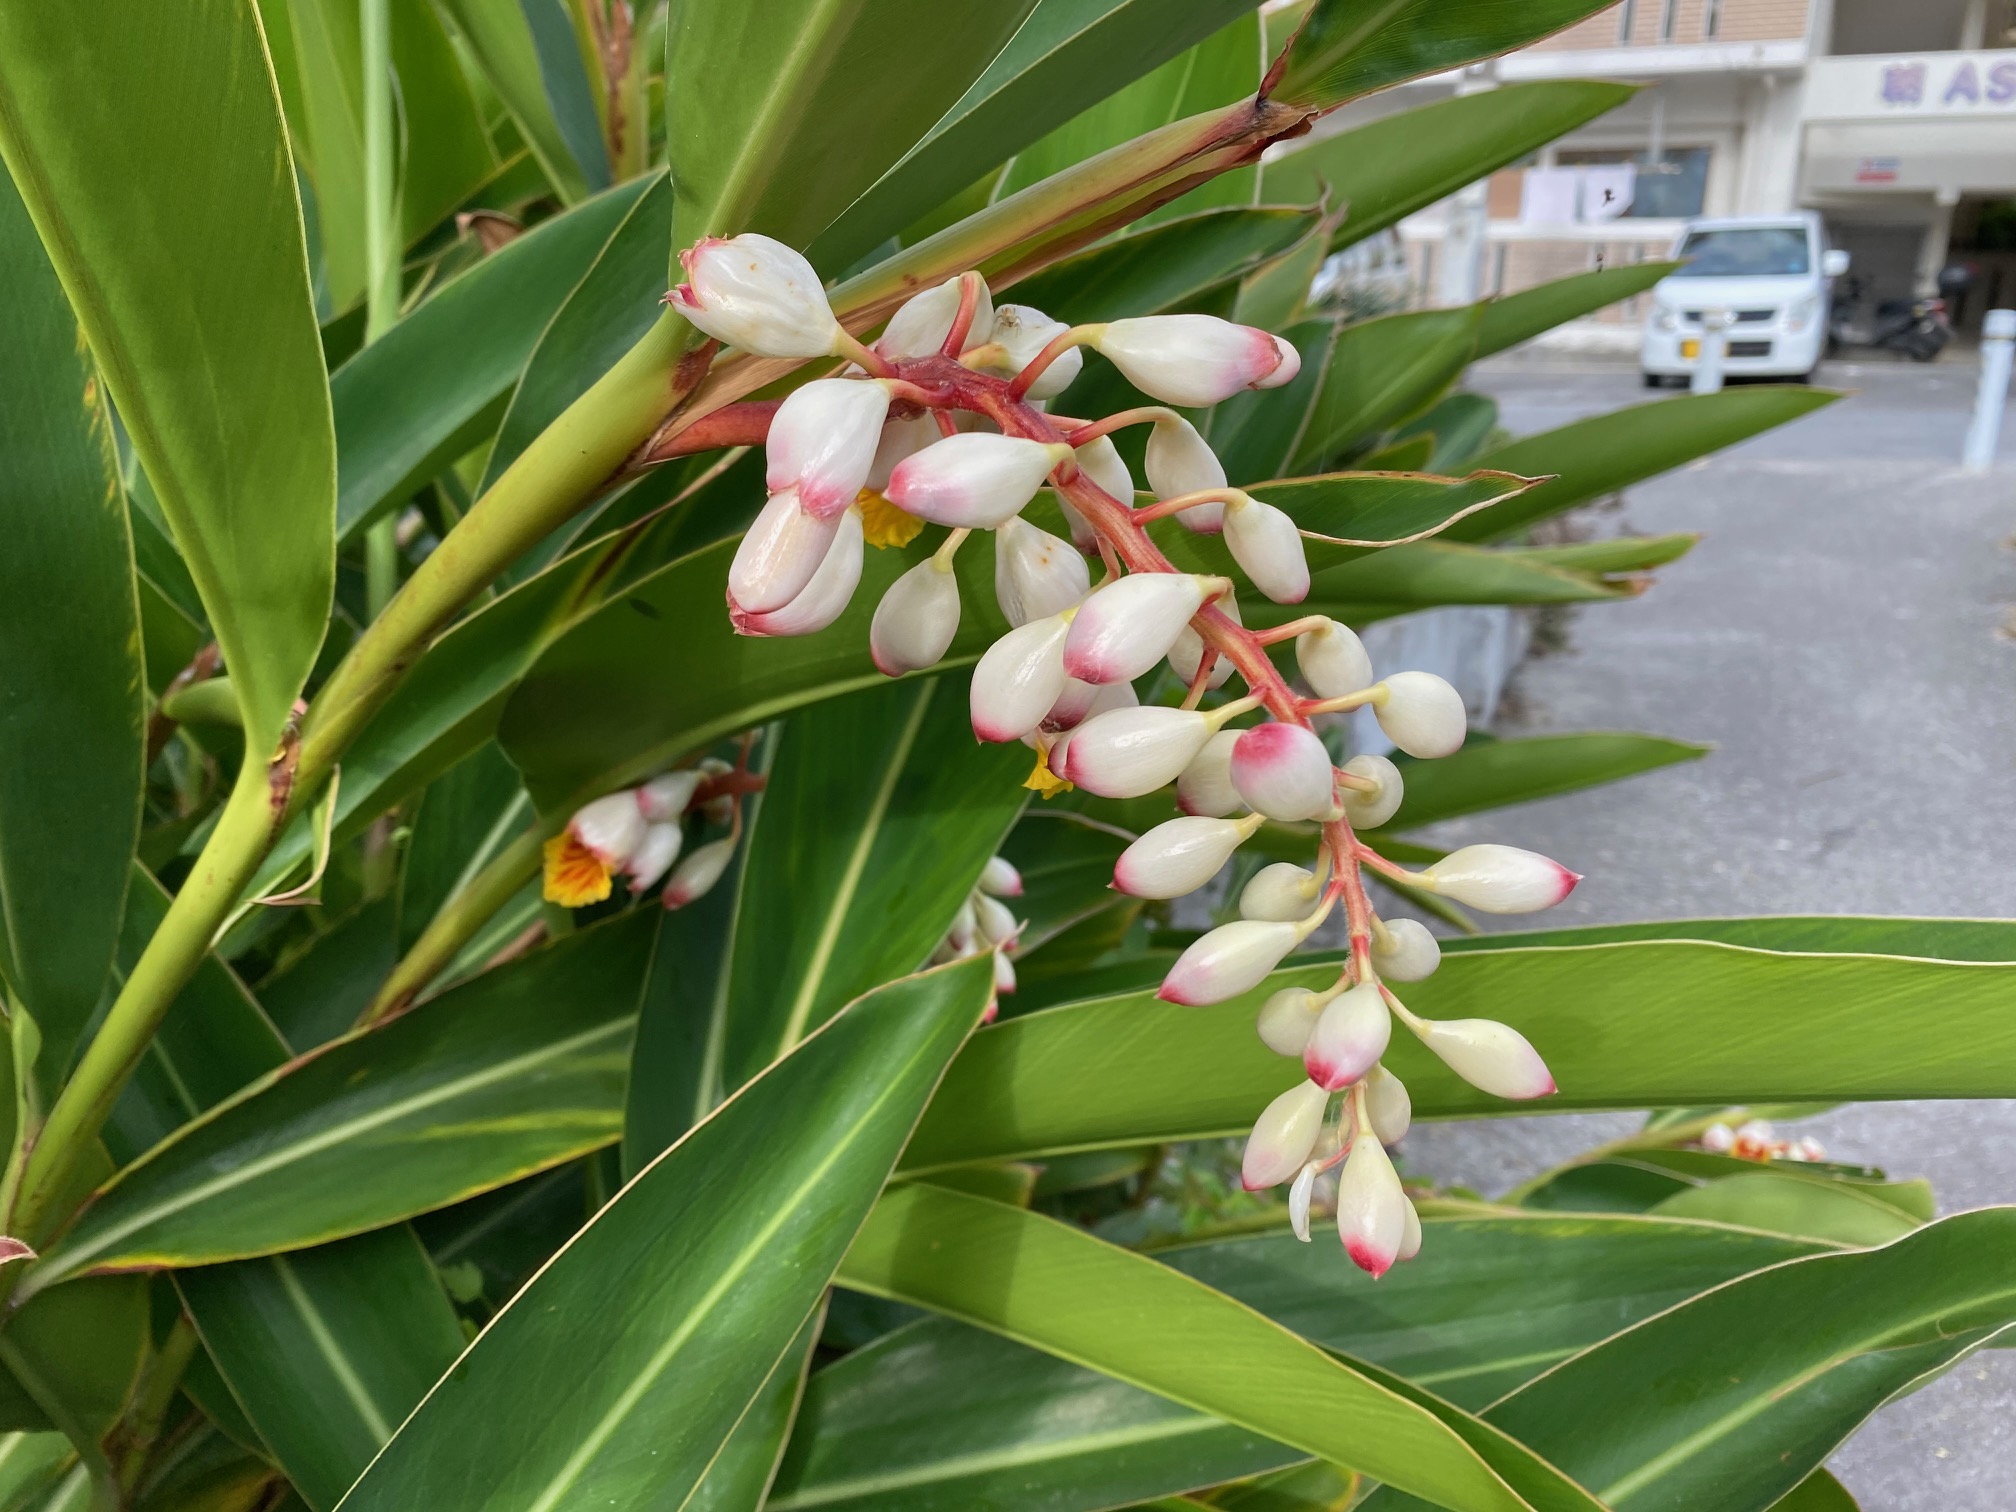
453, 927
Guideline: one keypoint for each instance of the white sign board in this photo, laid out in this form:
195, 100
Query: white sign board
1911, 87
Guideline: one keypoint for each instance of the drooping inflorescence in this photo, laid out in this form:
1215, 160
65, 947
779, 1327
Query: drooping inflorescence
942, 421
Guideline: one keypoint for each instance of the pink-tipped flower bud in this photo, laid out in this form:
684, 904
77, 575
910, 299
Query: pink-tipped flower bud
720, 809
1288, 1018
757, 294
654, 855
1022, 333
1500, 879
1004, 981
1081, 700
1226, 961
1387, 1106
1204, 788
1349, 1038
1421, 714
1371, 1208
1188, 652
1019, 677
1035, 574
1280, 891
779, 554
823, 441
1283, 1136
919, 327
1195, 360
1404, 951
697, 874
1491, 1056
1000, 878
1125, 753
1179, 856
975, 480
1410, 1238
1299, 1195
997, 925
1283, 771
612, 827
900, 439
824, 599
1180, 461
1101, 461
1332, 660
1268, 548
1130, 624
962, 938
667, 796
1369, 810
916, 620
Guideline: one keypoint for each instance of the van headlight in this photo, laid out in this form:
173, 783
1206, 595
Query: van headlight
1800, 313
1665, 317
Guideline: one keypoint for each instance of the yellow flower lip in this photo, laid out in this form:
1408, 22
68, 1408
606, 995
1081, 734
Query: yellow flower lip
883, 524
1041, 780
574, 875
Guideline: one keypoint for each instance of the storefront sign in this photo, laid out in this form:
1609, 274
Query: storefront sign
1924, 85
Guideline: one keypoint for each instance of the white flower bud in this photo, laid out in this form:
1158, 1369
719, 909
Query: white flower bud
919, 327
1268, 548
1035, 574
698, 873
1371, 1208
1004, 977
779, 554
824, 599
1333, 660
1205, 786
1421, 714
976, 480
1129, 625
823, 441
612, 827
1228, 960
1280, 891
1500, 879
1022, 333
1283, 771
1492, 1057
1288, 1018
1370, 810
1179, 856
1125, 753
1283, 1136
1349, 1038
1718, 1138
1000, 878
1019, 677
1387, 1105
1404, 951
755, 293
667, 796
916, 620
1195, 360
900, 439
1298, 1201
719, 809
964, 934
1410, 1238
1101, 461
996, 924
654, 855
1188, 651
1180, 461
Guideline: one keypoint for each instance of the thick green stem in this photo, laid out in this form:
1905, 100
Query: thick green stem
455, 925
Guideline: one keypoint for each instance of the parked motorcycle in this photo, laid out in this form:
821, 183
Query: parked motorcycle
1916, 327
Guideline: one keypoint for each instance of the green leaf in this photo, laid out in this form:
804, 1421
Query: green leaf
1066, 861
563, 74
1819, 1492
765, 156
1443, 571
1382, 372
1701, 1023
71, 716
1346, 49
30, 1463
1513, 318
466, 816
660, 1323
1164, 267
1042, 1282
1458, 428
500, 39
1826, 934
319, 994
517, 1070
148, 145
435, 384
740, 1477
1066, 53
72, 1357
1730, 1400
1600, 455
1488, 774
1780, 1203
1385, 170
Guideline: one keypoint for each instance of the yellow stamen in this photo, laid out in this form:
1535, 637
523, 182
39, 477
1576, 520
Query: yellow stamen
882, 523
1042, 780
575, 875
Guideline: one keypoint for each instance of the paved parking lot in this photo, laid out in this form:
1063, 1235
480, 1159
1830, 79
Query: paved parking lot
1845, 635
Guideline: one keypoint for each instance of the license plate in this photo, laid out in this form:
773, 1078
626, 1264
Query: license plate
1690, 348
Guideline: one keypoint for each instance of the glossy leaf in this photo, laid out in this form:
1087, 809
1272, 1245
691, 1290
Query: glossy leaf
764, 156
1819, 1492
1829, 934
1779, 1203
1066, 861
1488, 774
71, 1358
661, 1321
71, 716
320, 993
1513, 318
148, 145
1353, 507
1382, 372
1164, 267
563, 76
30, 1463
1632, 1025
739, 1479
500, 39
1443, 571
1458, 428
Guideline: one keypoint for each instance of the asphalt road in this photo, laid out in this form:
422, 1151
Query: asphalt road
1843, 635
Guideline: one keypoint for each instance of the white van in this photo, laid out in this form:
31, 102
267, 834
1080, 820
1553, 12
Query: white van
1772, 273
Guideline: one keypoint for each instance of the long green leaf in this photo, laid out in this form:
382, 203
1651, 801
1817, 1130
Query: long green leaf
1825, 934
1164, 267
148, 145
1488, 774
71, 716
1381, 372
500, 39
1513, 318
30, 1464
739, 1479
657, 1326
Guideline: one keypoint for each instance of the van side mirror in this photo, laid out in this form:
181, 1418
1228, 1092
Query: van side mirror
1834, 262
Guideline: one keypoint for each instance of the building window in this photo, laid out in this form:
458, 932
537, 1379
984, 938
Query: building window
1625, 14
1670, 189
1711, 18
1668, 13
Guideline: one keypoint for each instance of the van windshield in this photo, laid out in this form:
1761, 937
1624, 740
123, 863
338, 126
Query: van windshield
1744, 252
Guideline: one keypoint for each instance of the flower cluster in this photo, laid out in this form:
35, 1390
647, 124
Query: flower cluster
640, 833
946, 419
1757, 1140
985, 923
